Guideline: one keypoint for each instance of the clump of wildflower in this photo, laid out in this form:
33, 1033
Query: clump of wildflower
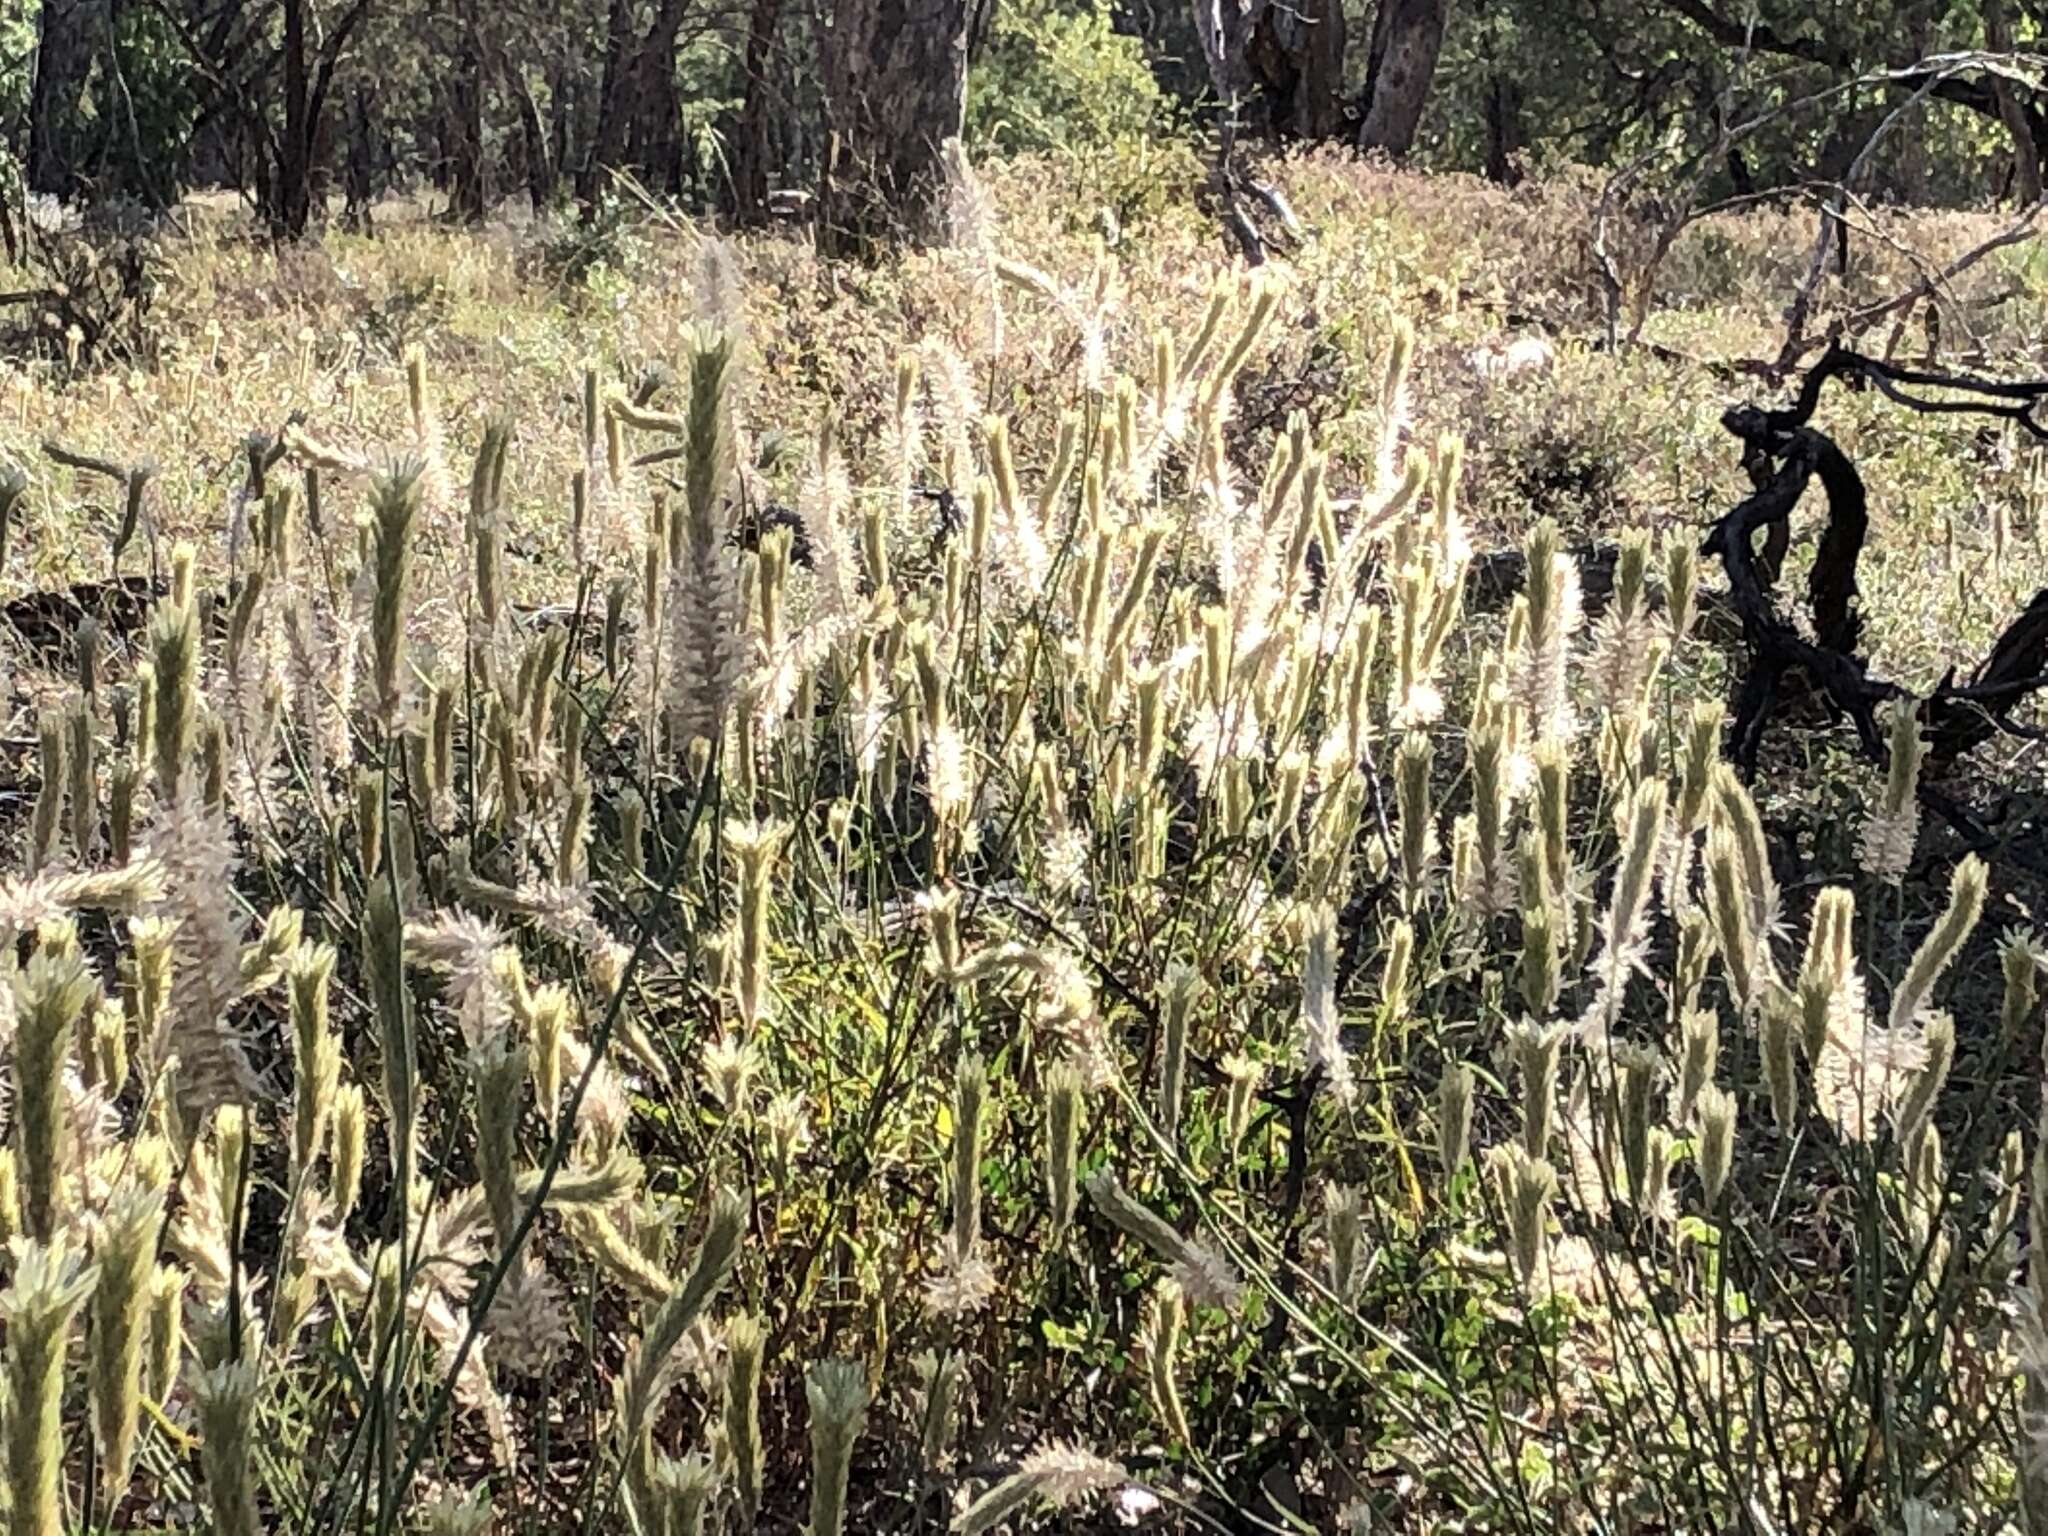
1524, 1185
837, 1391
1204, 1275
938, 1377
1892, 827
1454, 1116
1716, 1151
1323, 1044
49, 1283
1055, 1475
1539, 672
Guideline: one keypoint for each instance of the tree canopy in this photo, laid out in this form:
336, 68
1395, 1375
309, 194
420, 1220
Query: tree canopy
307, 107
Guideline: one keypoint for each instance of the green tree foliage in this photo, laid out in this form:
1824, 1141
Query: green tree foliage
1058, 76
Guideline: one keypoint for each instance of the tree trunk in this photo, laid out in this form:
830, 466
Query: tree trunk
2026, 159
608, 137
1308, 82
1407, 35
751, 151
65, 35
657, 151
1225, 29
1504, 137
293, 192
565, 117
359, 172
1277, 67
468, 188
896, 91
533, 139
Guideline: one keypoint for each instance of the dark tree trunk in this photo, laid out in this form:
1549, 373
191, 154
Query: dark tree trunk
320, 164
293, 207
359, 176
66, 33
1277, 67
292, 167
1407, 35
752, 150
1505, 139
657, 151
608, 138
468, 182
533, 142
565, 108
2026, 158
896, 89
1299, 49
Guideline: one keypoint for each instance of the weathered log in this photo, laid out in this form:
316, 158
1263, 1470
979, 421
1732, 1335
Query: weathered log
1784, 454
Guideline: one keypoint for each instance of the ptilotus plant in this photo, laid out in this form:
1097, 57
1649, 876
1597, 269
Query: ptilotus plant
316, 1054
1778, 1036
226, 1396
81, 763
1735, 810
1535, 1050
1396, 971
1637, 1069
1454, 1117
1734, 926
702, 644
47, 820
1715, 1152
1064, 1091
1342, 1230
1641, 824
498, 1068
1056, 1476
1204, 1275
123, 777
456, 1512
753, 848
938, 1380
52, 993
1523, 1186
647, 1373
1967, 890
685, 1488
1891, 829
1046, 715
1681, 570
837, 1391
1826, 972
745, 1342
125, 1249
395, 506
1699, 1049
383, 948
50, 1281
345, 1158
1624, 640
1537, 675
1322, 1041
10, 1196
1490, 888
165, 1348
488, 613
1558, 888
1938, 1041
2021, 962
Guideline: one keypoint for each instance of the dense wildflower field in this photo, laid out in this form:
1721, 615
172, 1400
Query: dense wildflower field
658, 886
